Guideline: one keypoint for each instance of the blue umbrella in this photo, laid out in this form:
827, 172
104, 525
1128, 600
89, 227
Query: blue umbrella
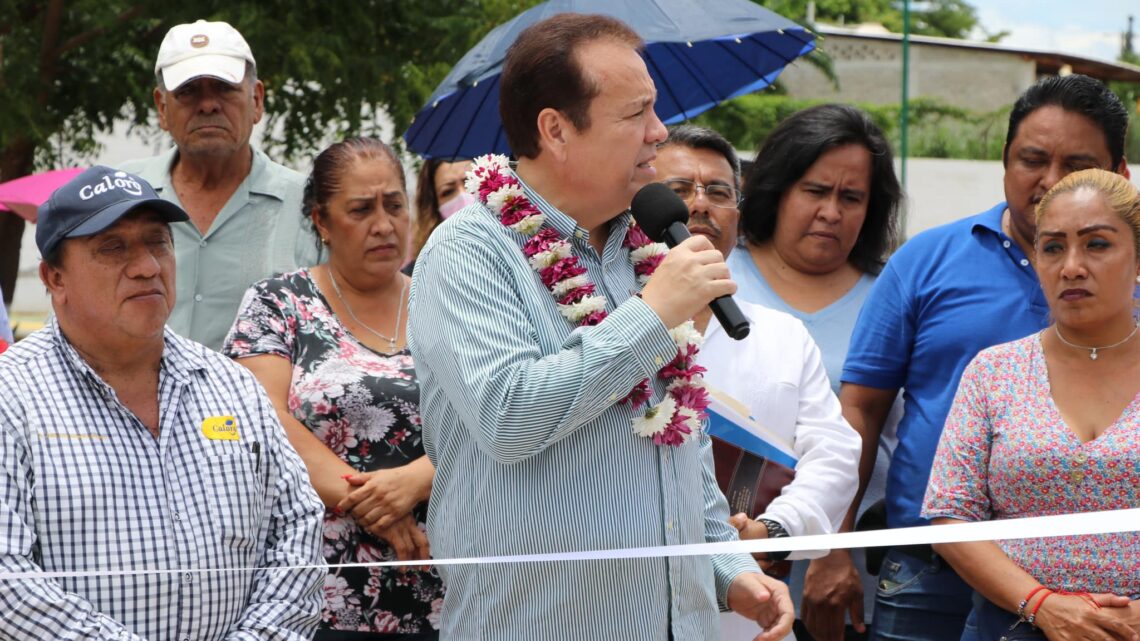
699, 54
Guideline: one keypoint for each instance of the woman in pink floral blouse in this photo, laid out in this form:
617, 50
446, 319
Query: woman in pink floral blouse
328, 344
1050, 424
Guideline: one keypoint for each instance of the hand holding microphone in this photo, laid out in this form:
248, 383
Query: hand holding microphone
693, 273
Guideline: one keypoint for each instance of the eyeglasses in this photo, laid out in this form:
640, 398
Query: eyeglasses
717, 195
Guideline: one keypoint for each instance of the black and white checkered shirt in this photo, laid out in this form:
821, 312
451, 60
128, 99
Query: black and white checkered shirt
86, 487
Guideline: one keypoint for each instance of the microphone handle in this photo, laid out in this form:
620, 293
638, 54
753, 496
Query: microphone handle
725, 309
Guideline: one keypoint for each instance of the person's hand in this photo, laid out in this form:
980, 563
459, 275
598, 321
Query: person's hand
689, 278
750, 529
1128, 613
764, 600
383, 496
1064, 617
408, 541
832, 590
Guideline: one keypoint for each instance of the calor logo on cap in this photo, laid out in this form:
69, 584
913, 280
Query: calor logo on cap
122, 180
200, 40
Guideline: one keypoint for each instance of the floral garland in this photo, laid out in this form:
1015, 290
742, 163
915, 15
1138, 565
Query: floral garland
679, 415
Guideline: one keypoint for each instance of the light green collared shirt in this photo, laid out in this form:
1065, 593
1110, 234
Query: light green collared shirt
259, 233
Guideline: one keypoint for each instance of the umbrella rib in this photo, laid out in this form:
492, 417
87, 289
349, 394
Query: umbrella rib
439, 129
668, 89
471, 122
694, 73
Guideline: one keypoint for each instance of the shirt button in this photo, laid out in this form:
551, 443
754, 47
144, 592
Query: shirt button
659, 360
1077, 476
187, 578
186, 638
580, 234
1005, 243
197, 298
669, 525
202, 244
613, 397
1024, 262
176, 516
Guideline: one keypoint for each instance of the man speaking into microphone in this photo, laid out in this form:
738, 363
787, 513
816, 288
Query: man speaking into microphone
559, 410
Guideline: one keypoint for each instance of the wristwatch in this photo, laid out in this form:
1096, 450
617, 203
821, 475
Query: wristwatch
775, 531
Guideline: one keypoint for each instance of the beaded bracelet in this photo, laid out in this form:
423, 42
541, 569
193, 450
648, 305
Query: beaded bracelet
1025, 601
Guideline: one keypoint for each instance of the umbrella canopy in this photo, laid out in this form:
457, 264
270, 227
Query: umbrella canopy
699, 53
24, 195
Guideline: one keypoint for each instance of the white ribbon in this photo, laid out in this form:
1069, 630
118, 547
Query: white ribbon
1105, 522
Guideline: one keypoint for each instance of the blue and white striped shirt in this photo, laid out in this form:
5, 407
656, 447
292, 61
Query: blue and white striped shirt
534, 454
87, 487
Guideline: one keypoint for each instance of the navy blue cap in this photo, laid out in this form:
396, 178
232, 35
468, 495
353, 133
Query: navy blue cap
93, 201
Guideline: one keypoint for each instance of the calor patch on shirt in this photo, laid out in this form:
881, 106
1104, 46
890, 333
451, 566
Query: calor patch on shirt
220, 428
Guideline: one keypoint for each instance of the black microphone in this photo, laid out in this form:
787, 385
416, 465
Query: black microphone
663, 216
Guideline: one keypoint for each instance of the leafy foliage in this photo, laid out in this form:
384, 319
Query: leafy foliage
937, 130
947, 18
325, 64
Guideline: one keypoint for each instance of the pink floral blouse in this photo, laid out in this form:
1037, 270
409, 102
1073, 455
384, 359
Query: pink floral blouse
1006, 453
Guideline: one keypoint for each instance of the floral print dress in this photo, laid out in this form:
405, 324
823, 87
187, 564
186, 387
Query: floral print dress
364, 405
1006, 453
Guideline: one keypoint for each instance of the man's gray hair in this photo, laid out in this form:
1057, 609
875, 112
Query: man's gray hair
695, 137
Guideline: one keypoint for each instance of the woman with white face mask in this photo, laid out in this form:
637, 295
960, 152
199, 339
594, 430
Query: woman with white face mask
439, 194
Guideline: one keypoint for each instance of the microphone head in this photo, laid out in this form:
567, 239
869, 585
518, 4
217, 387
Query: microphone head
655, 207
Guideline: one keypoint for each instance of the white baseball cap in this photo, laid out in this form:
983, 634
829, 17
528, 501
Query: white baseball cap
202, 48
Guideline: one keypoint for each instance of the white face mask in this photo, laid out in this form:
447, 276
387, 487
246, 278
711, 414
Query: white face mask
461, 200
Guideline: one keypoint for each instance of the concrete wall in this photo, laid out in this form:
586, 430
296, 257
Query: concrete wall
871, 71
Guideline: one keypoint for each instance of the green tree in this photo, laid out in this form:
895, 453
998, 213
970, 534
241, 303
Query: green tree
71, 70
947, 18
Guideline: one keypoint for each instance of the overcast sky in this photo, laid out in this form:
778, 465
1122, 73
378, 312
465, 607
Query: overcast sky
1088, 27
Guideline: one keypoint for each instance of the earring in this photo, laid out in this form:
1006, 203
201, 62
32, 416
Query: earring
324, 241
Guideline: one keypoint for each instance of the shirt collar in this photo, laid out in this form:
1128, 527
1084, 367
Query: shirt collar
566, 226
262, 178
179, 356
991, 219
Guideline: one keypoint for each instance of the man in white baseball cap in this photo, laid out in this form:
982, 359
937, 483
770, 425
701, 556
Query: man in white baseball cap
245, 210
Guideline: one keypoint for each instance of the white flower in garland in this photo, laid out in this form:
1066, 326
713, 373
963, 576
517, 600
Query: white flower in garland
560, 289
583, 308
530, 225
656, 418
555, 253
497, 199
686, 334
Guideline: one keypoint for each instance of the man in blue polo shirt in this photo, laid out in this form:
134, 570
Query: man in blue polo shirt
943, 297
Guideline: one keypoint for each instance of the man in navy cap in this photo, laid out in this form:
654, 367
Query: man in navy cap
135, 458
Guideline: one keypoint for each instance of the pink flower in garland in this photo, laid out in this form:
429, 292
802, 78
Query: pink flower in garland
636, 237
639, 395
649, 265
676, 431
577, 294
694, 396
540, 242
593, 318
561, 270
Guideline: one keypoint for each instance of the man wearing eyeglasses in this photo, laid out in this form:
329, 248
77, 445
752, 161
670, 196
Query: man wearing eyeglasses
701, 167
777, 371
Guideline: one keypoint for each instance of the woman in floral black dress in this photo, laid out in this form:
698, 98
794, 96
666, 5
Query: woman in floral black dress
328, 344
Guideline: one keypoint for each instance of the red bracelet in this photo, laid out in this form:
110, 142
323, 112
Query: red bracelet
1084, 595
1027, 599
1033, 614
